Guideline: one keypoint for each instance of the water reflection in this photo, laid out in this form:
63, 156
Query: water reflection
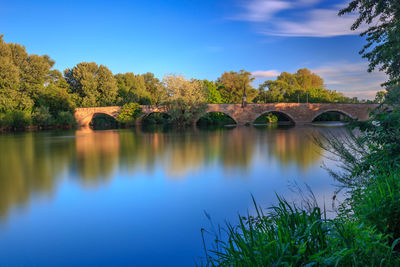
34, 163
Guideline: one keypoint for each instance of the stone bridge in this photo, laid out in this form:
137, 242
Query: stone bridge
298, 113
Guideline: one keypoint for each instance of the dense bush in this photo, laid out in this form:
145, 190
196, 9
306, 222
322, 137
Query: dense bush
42, 117
16, 119
129, 113
65, 118
378, 204
157, 118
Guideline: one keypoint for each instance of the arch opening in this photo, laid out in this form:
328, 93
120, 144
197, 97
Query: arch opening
101, 121
274, 117
215, 119
156, 118
332, 116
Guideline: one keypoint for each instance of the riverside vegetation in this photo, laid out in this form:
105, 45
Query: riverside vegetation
32, 93
366, 228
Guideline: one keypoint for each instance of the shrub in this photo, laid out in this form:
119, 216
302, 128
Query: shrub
17, 119
183, 113
65, 118
378, 204
157, 118
42, 117
129, 113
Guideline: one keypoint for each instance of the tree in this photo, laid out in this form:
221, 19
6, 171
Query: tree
132, 88
213, 95
155, 88
186, 99
230, 86
302, 86
380, 97
94, 84
383, 38
129, 113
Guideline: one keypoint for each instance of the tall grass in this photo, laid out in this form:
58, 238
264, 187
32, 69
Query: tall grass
291, 236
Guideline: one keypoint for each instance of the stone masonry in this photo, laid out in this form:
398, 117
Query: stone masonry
299, 113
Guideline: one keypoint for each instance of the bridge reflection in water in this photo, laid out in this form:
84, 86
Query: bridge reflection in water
36, 163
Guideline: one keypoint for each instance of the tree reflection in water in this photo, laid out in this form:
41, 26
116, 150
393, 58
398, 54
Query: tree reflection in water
34, 163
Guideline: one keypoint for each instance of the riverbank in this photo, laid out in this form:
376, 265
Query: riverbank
31, 128
365, 230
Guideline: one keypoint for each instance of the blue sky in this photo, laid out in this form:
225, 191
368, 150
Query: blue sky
200, 39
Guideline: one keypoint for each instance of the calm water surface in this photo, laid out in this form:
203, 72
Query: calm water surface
136, 197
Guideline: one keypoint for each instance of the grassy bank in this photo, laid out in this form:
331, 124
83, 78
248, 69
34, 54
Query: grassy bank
365, 230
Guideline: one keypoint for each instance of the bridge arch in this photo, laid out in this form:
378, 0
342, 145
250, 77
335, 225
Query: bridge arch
216, 112
88, 120
273, 111
148, 115
342, 112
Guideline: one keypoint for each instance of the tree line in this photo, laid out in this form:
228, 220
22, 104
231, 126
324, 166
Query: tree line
33, 93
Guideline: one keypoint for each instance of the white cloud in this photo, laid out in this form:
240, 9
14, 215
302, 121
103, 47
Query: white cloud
302, 20
264, 10
317, 23
352, 79
265, 73
261, 10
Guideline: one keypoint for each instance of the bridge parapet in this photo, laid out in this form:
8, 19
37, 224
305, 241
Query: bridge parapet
299, 113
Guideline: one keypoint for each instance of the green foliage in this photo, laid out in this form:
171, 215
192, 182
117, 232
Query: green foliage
231, 84
383, 41
56, 99
16, 119
156, 118
129, 113
42, 117
267, 118
94, 84
213, 95
393, 94
215, 118
65, 118
103, 121
154, 88
13, 100
132, 88
27, 83
370, 164
332, 116
183, 113
302, 86
293, 236
380, 97
186, 100
378, 204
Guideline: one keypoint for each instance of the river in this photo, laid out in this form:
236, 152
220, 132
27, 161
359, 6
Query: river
137, 197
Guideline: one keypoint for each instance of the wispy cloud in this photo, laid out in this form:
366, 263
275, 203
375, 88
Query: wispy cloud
265, 73
352, 79
298, 18
316, 23
262, 10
